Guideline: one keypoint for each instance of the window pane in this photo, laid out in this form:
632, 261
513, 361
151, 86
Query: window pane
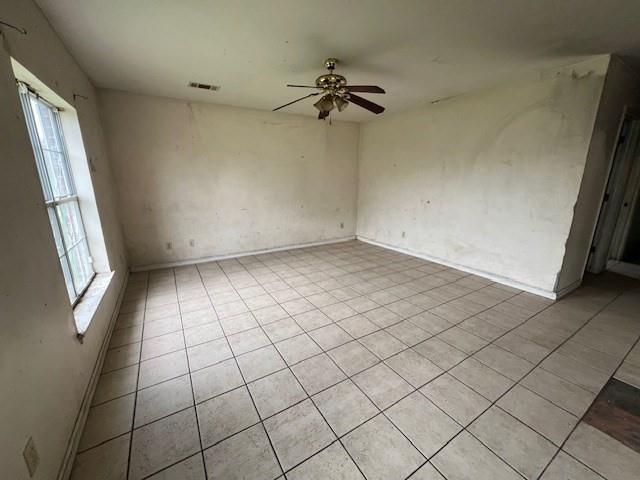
67, 278
70, 222
56, 230
58, 179
46, 124
81, 268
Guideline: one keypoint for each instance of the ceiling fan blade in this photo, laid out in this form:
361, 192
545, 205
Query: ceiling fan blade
301, 98
366, 104
303, 86
365, 88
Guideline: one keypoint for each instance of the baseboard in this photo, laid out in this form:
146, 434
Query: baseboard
156, 266
72, 447
563, 292
490, 276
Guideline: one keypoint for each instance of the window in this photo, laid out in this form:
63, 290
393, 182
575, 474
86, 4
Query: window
61, 199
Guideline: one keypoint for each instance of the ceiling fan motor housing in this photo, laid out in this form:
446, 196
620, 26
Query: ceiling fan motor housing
331, 81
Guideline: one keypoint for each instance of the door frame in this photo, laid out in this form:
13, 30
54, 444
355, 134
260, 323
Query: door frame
628, 209
622, 188
624, 268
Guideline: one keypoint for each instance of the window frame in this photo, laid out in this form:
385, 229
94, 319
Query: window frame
52, 202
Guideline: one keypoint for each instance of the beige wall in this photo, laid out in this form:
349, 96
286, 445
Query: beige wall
487, 181
232, 180
621, 92
44, 369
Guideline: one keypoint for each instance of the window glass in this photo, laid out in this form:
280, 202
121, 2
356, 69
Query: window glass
70, 223
63, 208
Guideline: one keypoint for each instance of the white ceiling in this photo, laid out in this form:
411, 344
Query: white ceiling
418, 50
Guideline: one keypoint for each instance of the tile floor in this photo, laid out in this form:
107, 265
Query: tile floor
350, 361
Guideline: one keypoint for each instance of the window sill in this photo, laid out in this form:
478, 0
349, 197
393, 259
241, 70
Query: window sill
85, 309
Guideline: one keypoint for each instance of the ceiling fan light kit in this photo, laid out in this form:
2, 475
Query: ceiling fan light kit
340, 103
336, 93
325, 104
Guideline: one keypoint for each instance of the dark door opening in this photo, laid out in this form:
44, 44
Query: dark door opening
616, 242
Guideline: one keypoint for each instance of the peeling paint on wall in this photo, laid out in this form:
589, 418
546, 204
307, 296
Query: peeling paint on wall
502, 168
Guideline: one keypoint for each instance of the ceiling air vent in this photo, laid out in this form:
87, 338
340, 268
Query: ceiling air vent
204, 86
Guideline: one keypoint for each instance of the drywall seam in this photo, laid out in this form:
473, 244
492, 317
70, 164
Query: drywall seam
496, 278
74, 440
156, 266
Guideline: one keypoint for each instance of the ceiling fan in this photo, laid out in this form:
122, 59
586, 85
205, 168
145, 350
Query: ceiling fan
336, 93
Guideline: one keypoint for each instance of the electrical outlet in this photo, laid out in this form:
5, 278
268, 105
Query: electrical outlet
341, 224
404, 234
169, 245
31, 457
192, 242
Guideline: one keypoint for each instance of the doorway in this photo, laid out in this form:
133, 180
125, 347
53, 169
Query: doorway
616, 243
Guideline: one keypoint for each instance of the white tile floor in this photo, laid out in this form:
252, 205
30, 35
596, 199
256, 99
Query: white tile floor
351, 361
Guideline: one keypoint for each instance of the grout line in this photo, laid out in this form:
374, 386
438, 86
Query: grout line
322, 351
323, 260
380, 411
586, 322
245, 385
179, 461
533, 314
581, 419
414, 390
139, 364
309, 397
193, 395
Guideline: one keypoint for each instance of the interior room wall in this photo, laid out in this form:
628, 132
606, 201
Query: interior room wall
213, 180
44, 369
621, 92
486, 181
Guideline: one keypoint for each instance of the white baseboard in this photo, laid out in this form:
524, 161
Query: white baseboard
563, 292
78, 427
179, 263
490, 276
